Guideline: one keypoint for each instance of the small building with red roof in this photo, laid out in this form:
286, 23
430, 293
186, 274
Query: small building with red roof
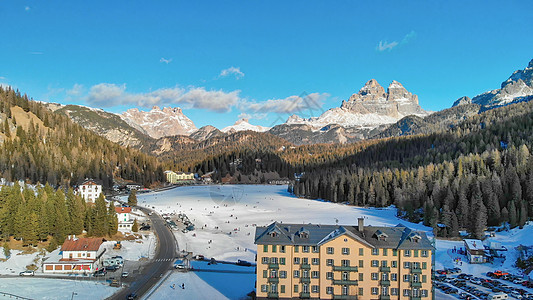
78, 255
125, 220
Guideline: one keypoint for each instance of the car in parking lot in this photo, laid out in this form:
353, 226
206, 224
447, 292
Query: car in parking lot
475, 280
131, 296
101, 272
516, 295
125, 274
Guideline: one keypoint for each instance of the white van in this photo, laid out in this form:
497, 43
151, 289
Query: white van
497, 296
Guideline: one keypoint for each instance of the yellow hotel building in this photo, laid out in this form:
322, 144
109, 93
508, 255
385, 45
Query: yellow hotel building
312, 261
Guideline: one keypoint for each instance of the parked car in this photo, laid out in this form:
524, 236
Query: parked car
115, 283
27, 273
125, 274
111, 268
131, 296
244, 263
99, 273
516, 294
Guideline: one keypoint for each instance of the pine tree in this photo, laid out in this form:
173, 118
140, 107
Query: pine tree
513, 214
132, 198
135, 227
7, 250
112, 219
100, 217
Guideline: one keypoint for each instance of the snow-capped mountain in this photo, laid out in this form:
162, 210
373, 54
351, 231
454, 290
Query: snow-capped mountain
242, 125
518, 87
370, 107
159, 123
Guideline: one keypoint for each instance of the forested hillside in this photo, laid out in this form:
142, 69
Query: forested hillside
475, 174
41, 146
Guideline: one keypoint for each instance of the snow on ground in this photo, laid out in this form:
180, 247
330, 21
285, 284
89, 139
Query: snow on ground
45, 288
236, 209
134, 250
222, 281
17, 262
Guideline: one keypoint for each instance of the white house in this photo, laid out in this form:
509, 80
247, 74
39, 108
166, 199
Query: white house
78, 255
475, 251
90, 190
125, 221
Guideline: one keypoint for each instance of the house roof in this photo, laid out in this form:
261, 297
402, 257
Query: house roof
123, 210
88, 181
398, 237
472, 244
82, 244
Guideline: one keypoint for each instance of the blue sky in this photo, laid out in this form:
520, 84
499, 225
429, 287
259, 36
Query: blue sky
221, 60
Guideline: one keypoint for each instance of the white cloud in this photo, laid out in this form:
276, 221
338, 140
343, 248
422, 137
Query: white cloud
27, 8
257, 116
106, 95
232, 71
166, 61
76, 90
289, 105
384, 45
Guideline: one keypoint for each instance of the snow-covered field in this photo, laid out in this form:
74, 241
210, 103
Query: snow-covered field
45, 288
227, 215
143, 248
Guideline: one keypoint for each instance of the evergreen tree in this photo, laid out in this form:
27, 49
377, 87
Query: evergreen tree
7, 250
135, 226
99, 217
112, 219
132, 198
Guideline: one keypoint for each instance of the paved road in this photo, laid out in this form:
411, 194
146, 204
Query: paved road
163, 261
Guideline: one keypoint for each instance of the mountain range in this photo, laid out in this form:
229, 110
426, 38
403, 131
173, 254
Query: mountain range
372, 112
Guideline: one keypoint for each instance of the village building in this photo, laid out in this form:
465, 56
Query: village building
176, 177
78, 255
89, 190
125, 221
317, 261
475, 251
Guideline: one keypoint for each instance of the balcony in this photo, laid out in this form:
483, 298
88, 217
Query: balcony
273, 266
384, 269
384, 297
345, 282
305, 266
345, 268
305, 280
272, 295
273, 279
344, 297
416, 271
384, 282
416, 284
304, 295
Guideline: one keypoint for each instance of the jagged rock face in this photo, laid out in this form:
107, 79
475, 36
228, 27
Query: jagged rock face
462, 101
205, 133
243, 125
159, 123
518, 86
372, 99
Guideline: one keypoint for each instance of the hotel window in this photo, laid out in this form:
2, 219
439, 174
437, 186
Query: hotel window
416, 265
282, 289
406, 265
345, 251
314, 289
375, 251
394, 291
424, 278
424, 253
264, 288
264, 260
385, 290
314, 274
424, 293
385, 276
406, 292
296, 288
305, 274
344, 290
274, 248
315, 261
375, 276
315, 249
282, 274
394, 252
384, 263
282, 249
329, 262
329, 275
305, 249
406, 278
305, 288
424, 265
394, 277
345, 263
361, 251
361, 276
274, 288
265, 248
361, 263
345, 276
330, 250
305, 261
375, 263
296, 249
329, 290
407, 253
296, 260
360, 291
374, 291
274, 260
265, 273
296, 274
273, 274
384, 252
282, 260
394, 264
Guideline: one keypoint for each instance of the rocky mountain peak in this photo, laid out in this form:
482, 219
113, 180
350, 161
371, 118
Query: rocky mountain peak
242, 125
160, 122
371, 90
462, 101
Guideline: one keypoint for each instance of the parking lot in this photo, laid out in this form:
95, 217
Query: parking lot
466, 286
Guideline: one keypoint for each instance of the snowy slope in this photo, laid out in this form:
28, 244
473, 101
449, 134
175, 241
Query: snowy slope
160, 122
242, 125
